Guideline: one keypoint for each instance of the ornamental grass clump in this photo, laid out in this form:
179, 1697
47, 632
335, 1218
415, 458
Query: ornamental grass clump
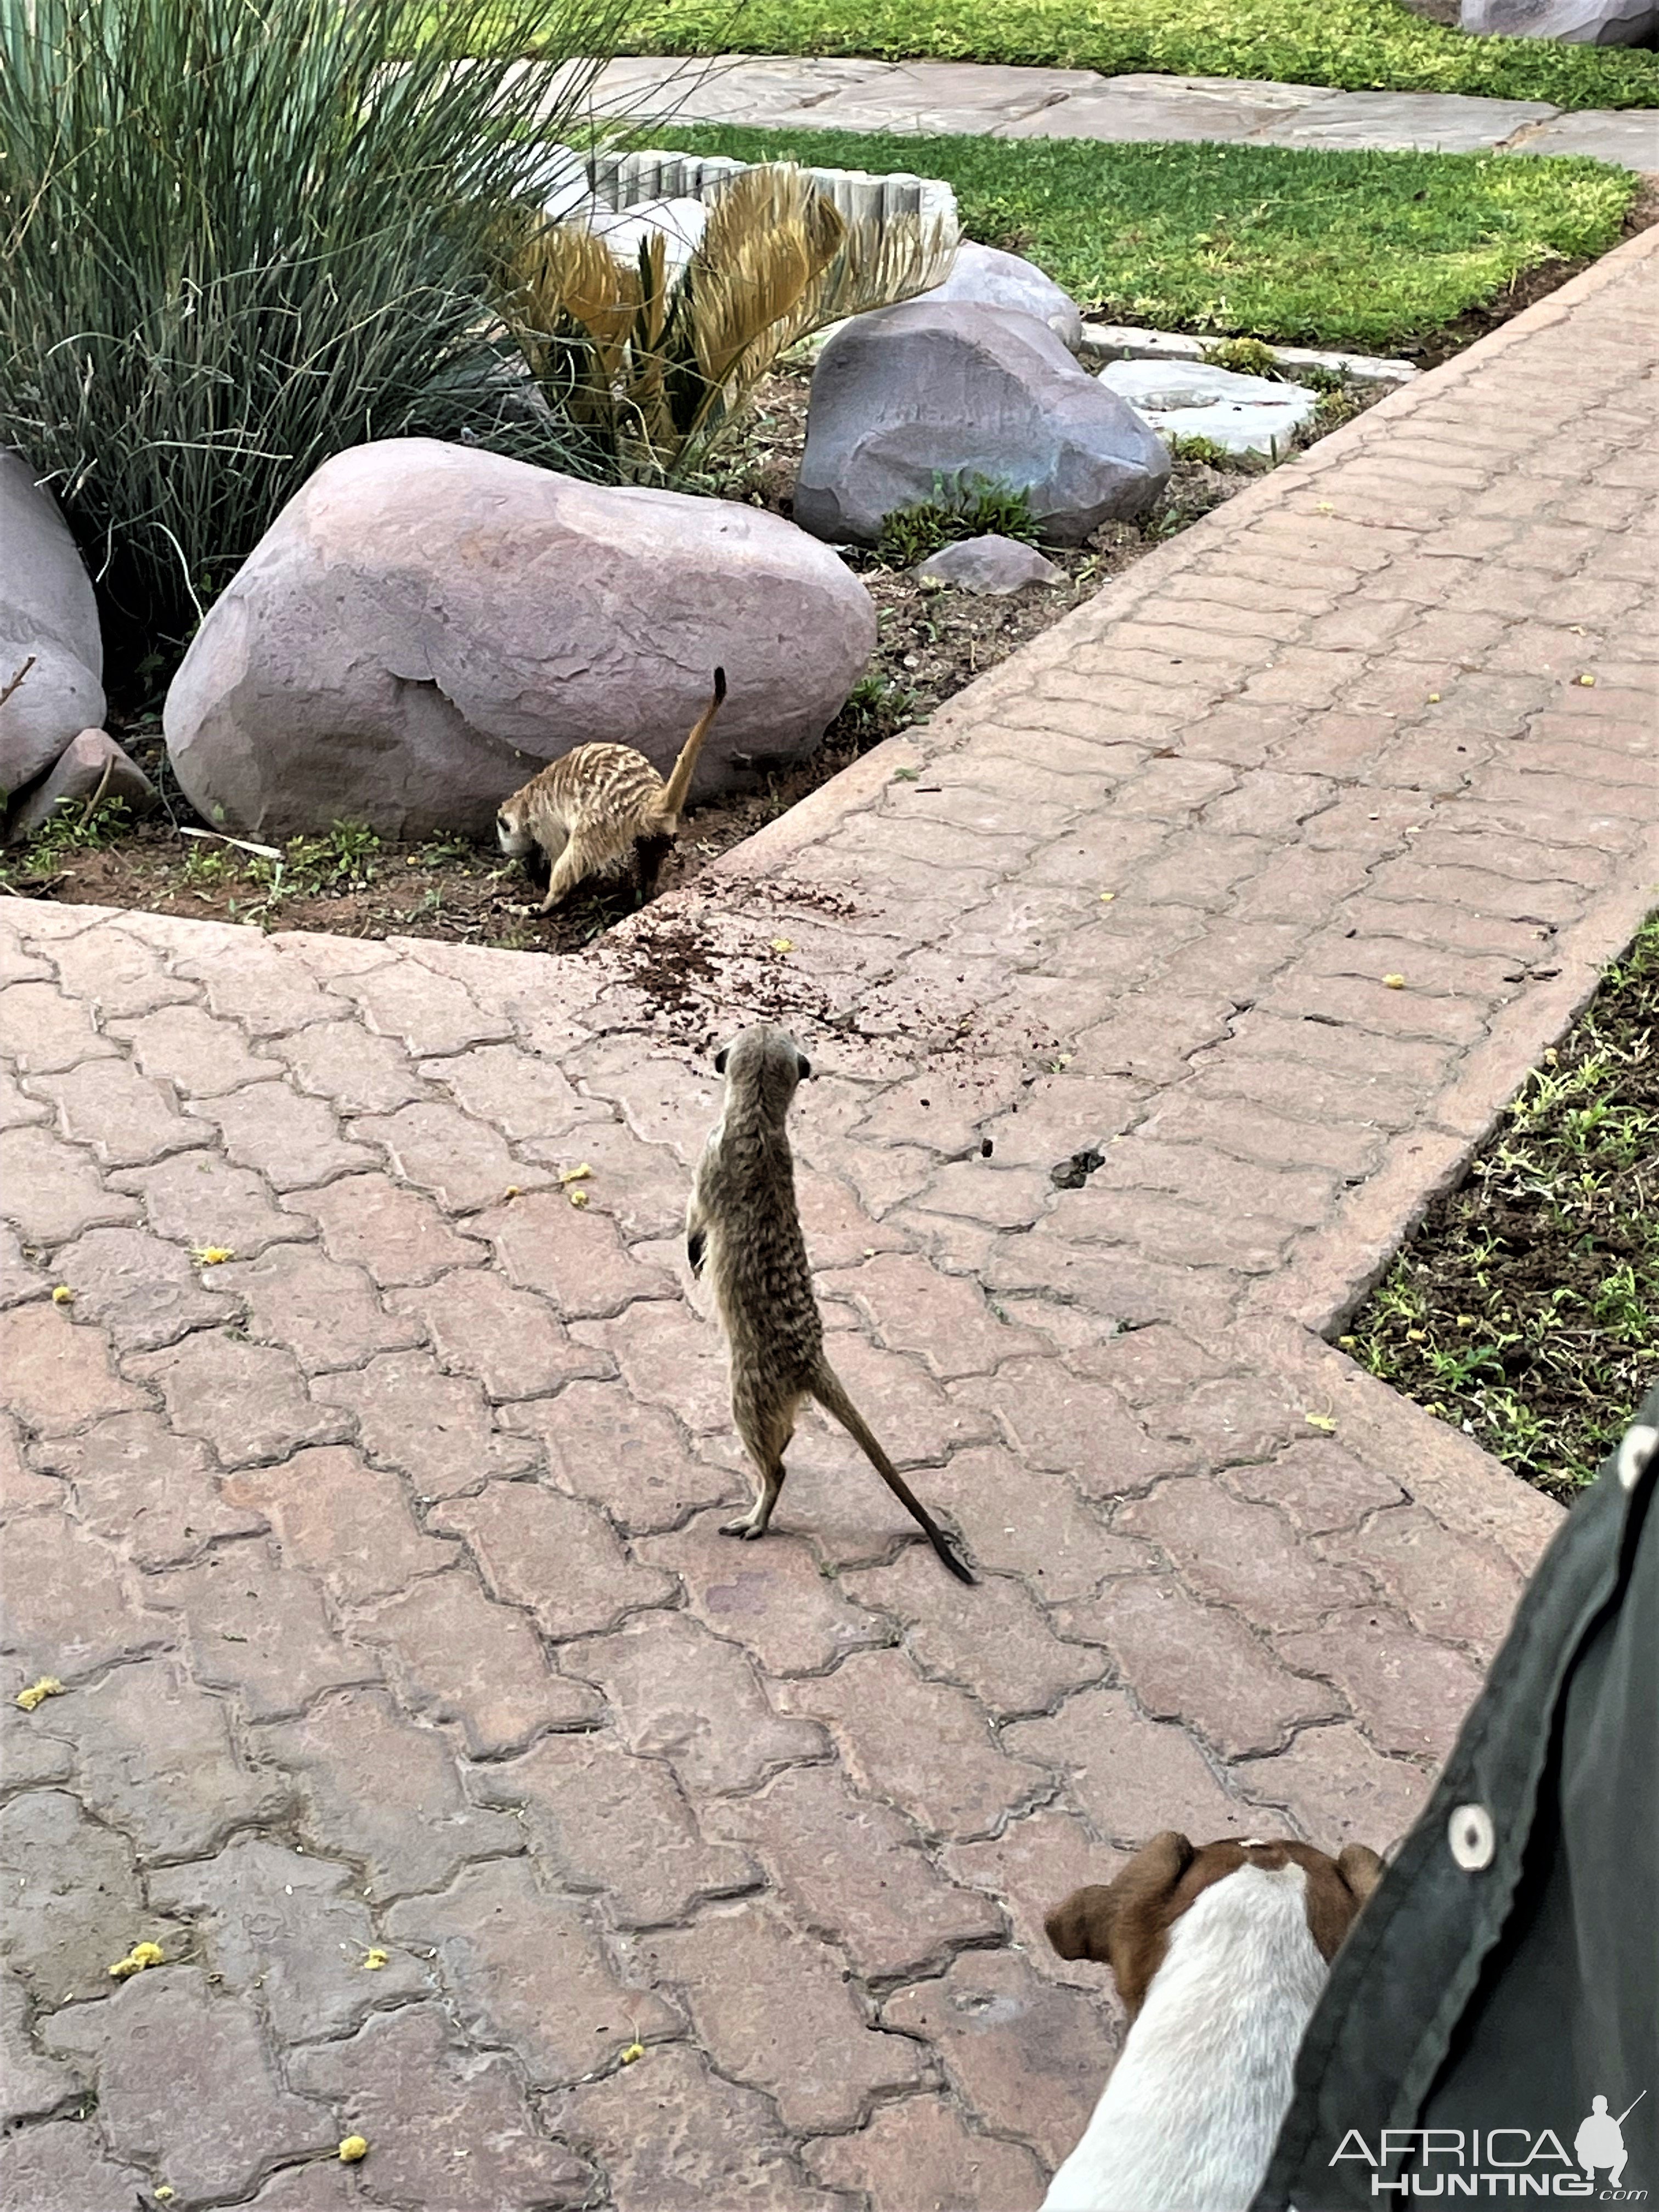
239, 235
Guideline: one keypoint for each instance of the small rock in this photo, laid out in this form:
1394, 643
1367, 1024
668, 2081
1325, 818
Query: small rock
993, 565
1579, 23
80, 773
987, 278
1073, 1174
426, 625
47, 610
918, 402
1191, 400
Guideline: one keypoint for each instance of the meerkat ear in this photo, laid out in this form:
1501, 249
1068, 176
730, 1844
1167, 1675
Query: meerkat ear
719, 1060
803, 1064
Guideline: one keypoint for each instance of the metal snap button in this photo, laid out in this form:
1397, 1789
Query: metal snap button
1634, 1453
1472, 1836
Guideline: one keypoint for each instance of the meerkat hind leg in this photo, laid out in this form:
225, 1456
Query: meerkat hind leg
765, 1434
755, 1521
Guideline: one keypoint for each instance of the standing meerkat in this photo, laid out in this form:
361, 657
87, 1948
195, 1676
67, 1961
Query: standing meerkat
595, 805
743, 1222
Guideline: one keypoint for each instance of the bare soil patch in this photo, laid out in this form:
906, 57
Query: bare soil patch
1525, 1310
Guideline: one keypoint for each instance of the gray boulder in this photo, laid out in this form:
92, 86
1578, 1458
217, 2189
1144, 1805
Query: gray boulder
89, 764
915, 404
46, 610
993, 565
426, 625
987, 278
1579, 23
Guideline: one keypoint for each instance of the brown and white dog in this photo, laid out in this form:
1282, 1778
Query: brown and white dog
1219, 1954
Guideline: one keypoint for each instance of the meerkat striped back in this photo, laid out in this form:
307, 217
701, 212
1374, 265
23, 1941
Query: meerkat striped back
599, 806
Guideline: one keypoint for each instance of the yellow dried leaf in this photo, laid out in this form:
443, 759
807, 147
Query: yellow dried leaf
212, 1255
140, 1956
47, 1687
373, 1960
1466, 1320
62, 1295
1394, 982
783, 944
165, 2194
1416, 1336
577, 1198
1325, 1423
1347, 1343
576, 1175
353, 2148
1587, 682
1434, 698
511, 1191
635, 2051
1106, 898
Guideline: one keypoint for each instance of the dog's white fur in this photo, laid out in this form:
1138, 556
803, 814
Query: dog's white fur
1188, 2119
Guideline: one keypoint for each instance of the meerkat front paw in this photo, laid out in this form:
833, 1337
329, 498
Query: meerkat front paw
746, 1526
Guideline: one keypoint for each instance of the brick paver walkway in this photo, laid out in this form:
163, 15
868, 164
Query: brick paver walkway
836, 93
379, 1562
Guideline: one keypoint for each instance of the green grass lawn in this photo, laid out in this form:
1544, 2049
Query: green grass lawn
1367, 250
1361, 44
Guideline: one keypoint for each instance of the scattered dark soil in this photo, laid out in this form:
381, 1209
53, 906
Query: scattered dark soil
932, 640
1525, 1310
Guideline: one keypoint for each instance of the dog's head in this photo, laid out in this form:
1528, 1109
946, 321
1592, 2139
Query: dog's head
1125, 1924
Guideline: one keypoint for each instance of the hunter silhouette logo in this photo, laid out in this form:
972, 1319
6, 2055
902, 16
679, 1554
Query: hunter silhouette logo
1601, 2141
1507, 2162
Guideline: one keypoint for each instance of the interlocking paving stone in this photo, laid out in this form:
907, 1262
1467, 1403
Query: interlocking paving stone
382, 1564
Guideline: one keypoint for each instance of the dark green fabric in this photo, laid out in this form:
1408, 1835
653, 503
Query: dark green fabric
1513, 1997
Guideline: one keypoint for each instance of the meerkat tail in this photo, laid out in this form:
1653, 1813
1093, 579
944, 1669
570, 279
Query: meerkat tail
826, 1387
679, 783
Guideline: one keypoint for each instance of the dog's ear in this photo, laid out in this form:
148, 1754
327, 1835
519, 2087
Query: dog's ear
1080, 1927
1123, 1924
1361, 1868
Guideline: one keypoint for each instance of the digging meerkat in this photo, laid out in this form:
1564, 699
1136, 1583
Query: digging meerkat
595, 805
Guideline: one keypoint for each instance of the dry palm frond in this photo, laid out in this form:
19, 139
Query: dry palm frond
659, 369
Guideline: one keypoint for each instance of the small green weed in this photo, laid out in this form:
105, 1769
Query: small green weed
344, 860
1244, 356
1526, 1310
972, 506
1201, 449
877, 707
78, 827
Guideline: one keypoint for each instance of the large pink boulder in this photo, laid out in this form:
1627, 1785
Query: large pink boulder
424, 625
47, 615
